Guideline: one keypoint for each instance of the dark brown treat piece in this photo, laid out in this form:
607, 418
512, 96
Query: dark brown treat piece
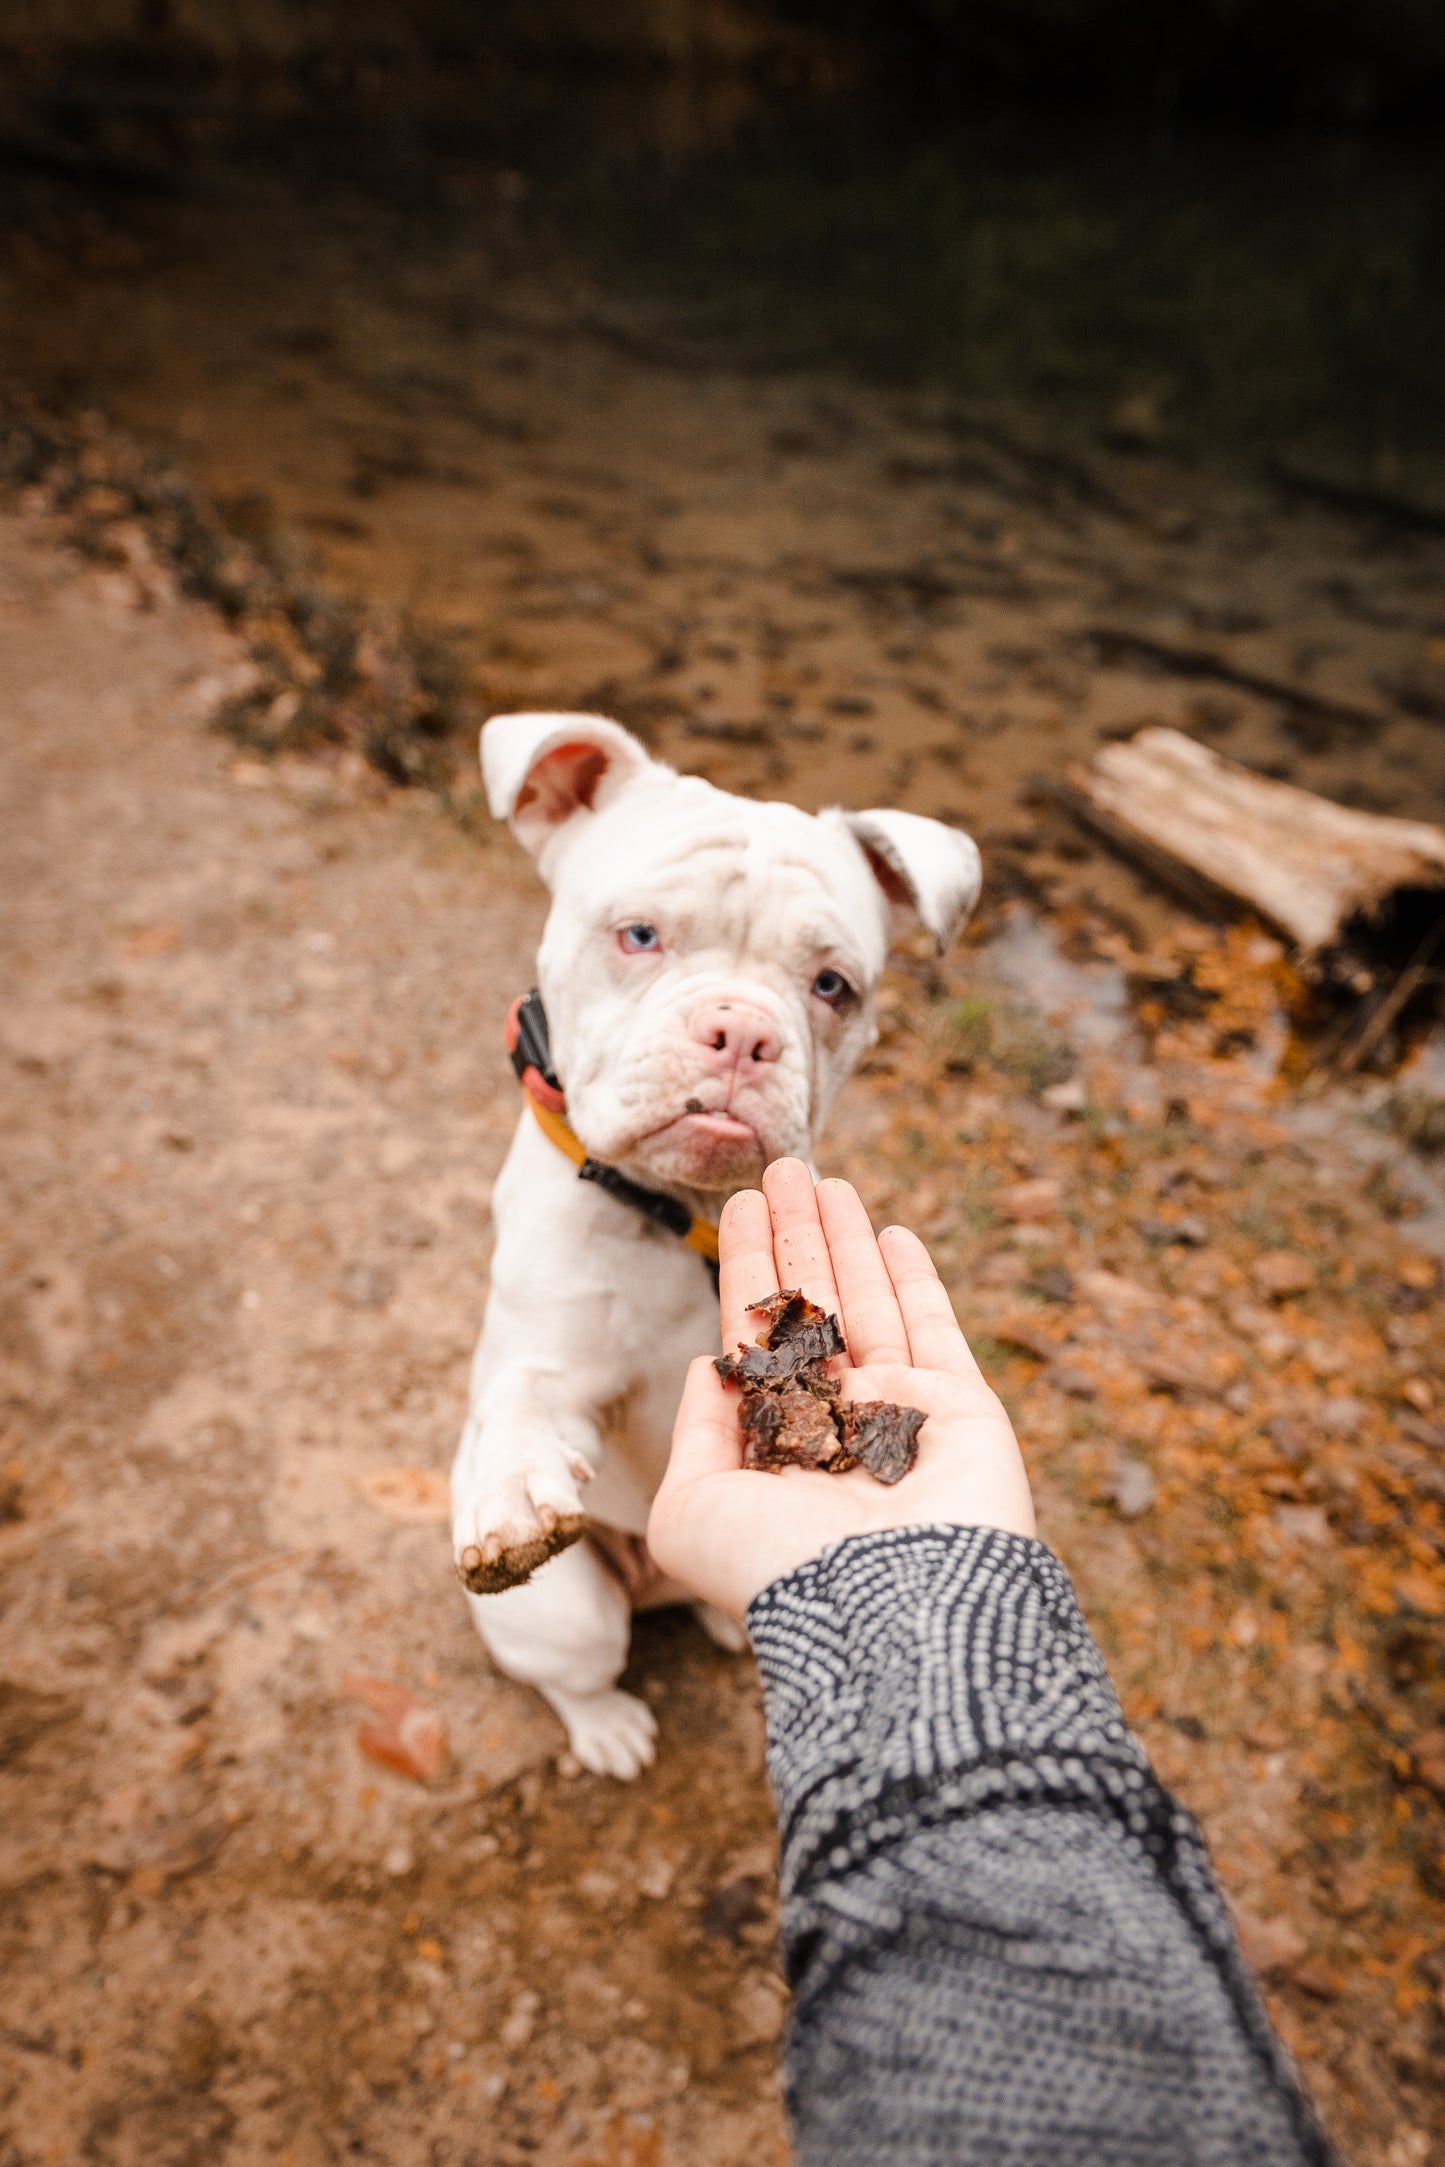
749, 1366
788, 1428
881, 1437
790, 1415
807, 1332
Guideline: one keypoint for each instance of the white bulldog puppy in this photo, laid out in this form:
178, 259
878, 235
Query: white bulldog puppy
707, 970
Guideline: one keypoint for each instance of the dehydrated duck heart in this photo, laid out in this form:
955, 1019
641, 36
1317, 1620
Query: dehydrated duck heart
791, 1415
790, 1428
881, 1437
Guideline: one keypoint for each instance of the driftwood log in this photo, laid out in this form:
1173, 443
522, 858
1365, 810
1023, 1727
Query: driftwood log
1227, 836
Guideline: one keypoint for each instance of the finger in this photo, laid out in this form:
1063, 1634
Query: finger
871, 1317
934, 1338
800, 1247
705, 1437
746, 1270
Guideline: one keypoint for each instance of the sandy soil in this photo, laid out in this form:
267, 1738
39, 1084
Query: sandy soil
252, 1054
253, 1061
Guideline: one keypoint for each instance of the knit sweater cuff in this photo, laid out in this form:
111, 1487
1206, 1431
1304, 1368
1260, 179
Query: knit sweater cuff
900, 1664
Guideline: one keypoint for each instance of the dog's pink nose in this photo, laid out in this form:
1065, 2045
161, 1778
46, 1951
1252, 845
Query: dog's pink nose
735, 1034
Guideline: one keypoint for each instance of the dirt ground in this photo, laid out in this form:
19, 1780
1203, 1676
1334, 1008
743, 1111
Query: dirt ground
256, 1096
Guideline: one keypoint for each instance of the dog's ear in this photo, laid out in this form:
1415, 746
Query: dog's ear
927, 871
541, 770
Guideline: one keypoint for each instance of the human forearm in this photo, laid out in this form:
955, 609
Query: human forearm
1005, 1939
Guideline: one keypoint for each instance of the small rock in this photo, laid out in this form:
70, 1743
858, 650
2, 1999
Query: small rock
1280, 1272
520, 2022
366, 1287
1326, 1357
1291, 1438
1133, 1488
1066, 1098
1302, 1523
1349, 1889
1032, 1199
1342, 1417
1269, 1945
397, 1861
656, 1878
1189, 1232
759, 2007
1114, 1294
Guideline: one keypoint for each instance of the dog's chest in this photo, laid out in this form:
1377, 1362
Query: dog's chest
660, 1320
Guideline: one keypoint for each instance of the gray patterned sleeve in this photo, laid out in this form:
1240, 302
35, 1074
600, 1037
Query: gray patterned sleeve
1005, 1939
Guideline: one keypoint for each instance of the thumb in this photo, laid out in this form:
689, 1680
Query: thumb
705, 1437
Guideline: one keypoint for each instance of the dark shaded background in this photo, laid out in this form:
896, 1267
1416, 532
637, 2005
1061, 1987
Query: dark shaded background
1206, 223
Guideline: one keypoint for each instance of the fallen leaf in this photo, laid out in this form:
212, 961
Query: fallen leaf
1429, 1759
419, 1495
1019, 1329
1316, 1977
1269, 1945
1417, 1591
1032, 1199
411, 1738
1113, 1293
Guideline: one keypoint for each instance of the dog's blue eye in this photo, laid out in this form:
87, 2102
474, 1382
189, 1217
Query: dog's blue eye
832, 987
637, 940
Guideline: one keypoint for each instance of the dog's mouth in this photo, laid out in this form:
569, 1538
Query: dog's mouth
705, 1147
714, 1123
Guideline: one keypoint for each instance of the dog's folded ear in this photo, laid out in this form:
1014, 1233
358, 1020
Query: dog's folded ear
928, 872
541, 770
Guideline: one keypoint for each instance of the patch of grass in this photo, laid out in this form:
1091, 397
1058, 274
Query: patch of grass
985, 1031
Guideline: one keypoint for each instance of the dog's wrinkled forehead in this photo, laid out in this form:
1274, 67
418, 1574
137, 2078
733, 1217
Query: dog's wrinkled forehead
596, 810
729, 873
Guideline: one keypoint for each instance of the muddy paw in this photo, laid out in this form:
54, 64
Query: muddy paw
510, 1555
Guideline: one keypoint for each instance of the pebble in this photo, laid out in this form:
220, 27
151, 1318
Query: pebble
1134, 1488
1280, 1272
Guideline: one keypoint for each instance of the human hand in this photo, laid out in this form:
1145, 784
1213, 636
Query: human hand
727, 1531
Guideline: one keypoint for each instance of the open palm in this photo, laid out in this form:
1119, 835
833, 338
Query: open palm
727, 1531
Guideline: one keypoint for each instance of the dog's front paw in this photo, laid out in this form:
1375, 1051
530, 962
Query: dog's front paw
506, 1524
612, 1733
